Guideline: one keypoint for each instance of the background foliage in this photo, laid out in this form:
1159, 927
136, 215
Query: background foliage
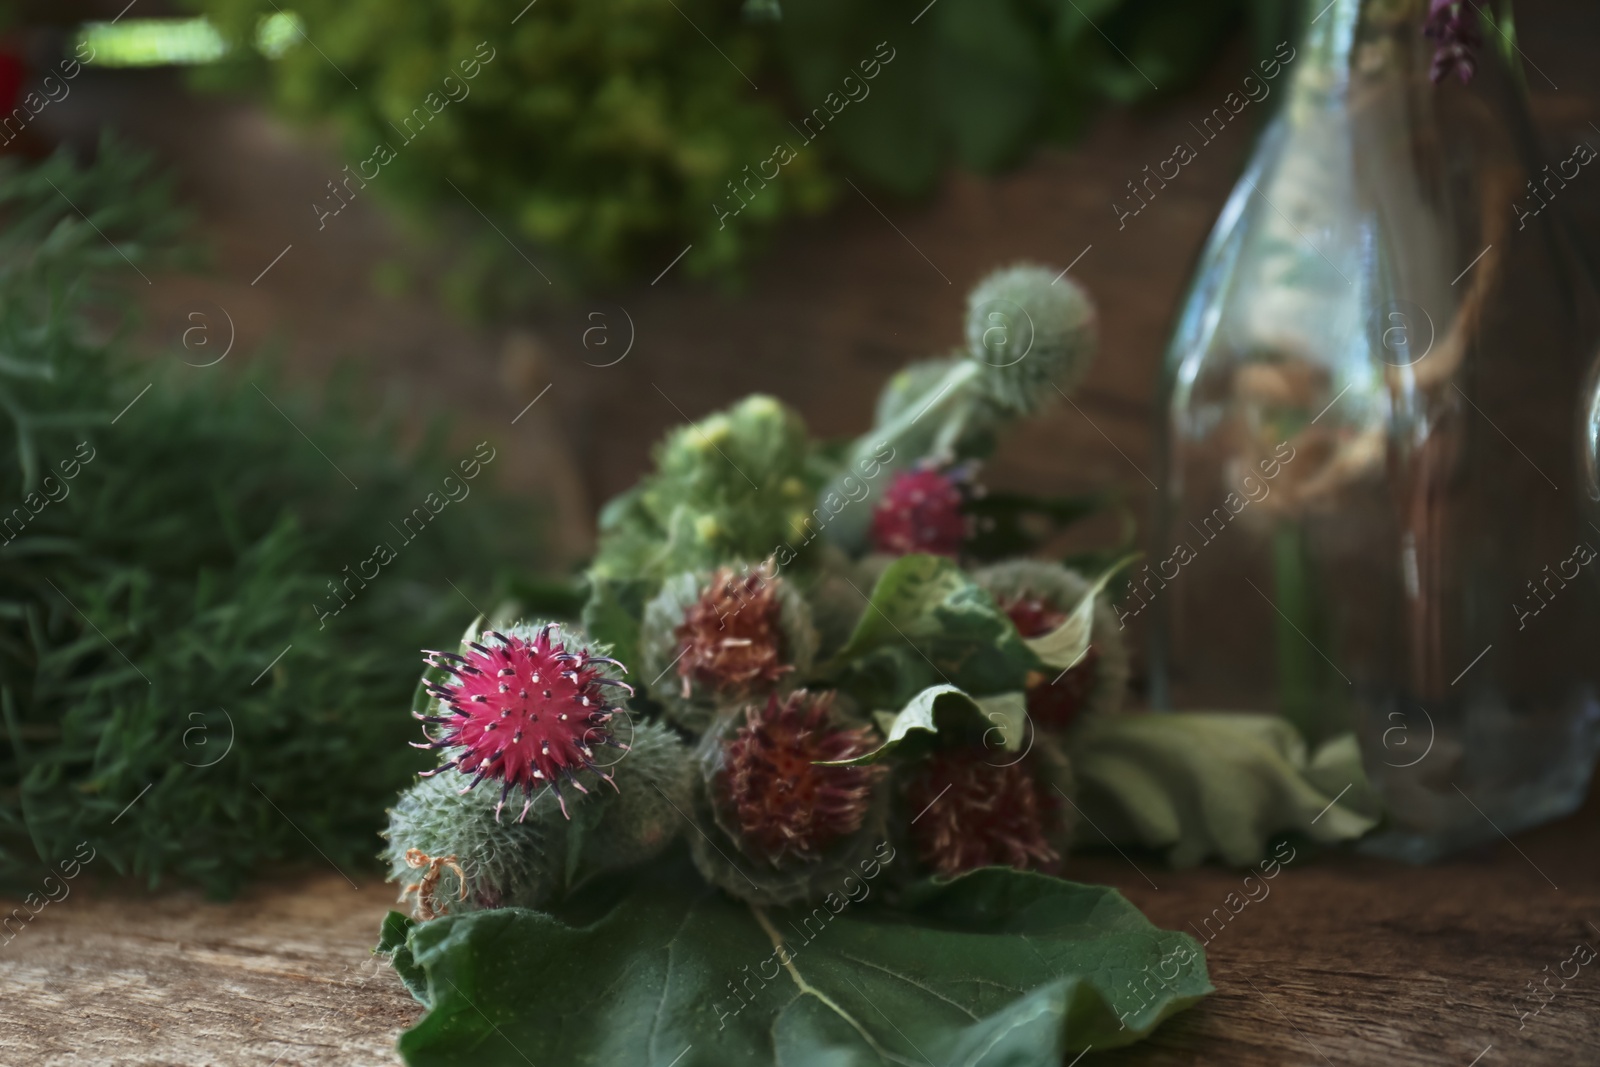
604, 131
138, 612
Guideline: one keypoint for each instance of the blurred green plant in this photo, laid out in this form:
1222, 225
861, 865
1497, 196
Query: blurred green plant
144, 595
613, 132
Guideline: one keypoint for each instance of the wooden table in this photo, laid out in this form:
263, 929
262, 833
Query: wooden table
1348, 961
282, 975
1358, 961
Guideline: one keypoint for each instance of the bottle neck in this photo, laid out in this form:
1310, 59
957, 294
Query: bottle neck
1327, 31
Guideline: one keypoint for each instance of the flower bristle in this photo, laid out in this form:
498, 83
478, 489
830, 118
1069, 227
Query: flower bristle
732, 637
973, 813
785, 807
527, 713
1054, 701
922, 510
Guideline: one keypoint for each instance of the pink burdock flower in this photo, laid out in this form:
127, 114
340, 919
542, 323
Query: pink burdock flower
784, 805
528, 713
1450, 23
974, 813
922, 510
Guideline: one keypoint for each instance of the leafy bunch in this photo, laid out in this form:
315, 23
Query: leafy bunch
847, 684
851, 651
143, 597
601, 129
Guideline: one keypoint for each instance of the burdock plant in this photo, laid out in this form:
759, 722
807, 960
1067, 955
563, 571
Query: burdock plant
487, 859
714, 641
774, 825
1030, 336
533, 711
970, 805
924, 510
1037, 597
527, 711
727, 489
484, 861
931, 718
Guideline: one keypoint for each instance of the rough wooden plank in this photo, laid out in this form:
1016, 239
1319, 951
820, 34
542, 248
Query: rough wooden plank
1346, 960
283, 975
1351, 960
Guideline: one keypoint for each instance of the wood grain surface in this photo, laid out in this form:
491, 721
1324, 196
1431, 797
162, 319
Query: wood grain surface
1346, 961
1357, 961
283, 975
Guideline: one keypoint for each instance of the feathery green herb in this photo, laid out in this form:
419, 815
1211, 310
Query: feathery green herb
143, 597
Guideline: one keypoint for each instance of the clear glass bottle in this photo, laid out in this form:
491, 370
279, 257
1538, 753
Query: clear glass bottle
1371, 516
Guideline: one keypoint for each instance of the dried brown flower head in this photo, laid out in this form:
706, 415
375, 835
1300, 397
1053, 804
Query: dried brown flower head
786, 807
732, 636
968, 812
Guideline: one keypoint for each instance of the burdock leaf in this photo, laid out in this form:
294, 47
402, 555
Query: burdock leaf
927, 622
998, 721
996, 967
1064, 646
1202, 784
392, 943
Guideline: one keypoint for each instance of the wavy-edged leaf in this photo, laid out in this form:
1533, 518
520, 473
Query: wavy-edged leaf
1202, 784
997, 967
392, 943
944, 709
1063, 647
1335, 765
927, 622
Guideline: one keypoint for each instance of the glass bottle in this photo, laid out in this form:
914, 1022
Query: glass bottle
1371, 515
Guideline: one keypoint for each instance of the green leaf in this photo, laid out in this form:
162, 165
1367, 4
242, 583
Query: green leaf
612, 615
392, 943
892, 137
1205, 784
931, 408
1063, 647
927, 622
1006, 714
996, 967
1335, 765
988, 86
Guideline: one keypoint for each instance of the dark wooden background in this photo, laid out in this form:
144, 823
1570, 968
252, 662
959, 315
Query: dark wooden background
833, 308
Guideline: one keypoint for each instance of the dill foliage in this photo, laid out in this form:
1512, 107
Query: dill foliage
143, 596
